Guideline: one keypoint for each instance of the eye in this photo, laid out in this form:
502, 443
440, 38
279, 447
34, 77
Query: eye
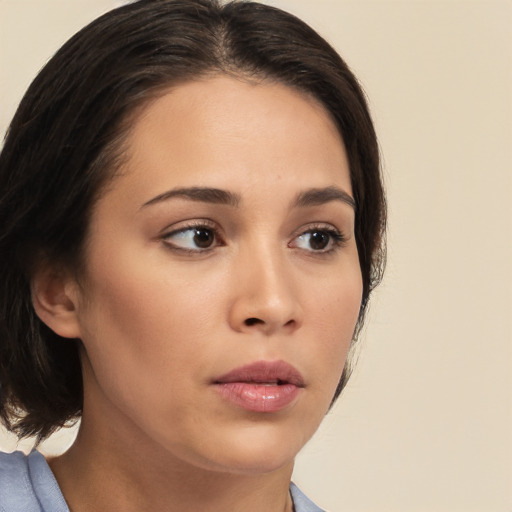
195, 238
319, 240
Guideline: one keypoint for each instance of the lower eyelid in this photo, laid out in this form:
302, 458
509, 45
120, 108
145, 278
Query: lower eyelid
167, 237
337, 240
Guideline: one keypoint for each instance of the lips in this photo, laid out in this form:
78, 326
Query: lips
261, 386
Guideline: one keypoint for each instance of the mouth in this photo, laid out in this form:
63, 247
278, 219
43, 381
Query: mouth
263, 386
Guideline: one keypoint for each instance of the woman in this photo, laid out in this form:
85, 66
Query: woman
193, 222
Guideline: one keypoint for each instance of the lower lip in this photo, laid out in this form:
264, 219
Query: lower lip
259, 397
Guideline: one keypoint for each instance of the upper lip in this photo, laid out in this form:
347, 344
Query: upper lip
264, 372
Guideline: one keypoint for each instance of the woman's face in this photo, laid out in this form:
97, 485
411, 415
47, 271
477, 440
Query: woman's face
222, 284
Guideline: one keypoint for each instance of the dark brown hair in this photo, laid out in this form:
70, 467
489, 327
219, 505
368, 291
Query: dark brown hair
65, 142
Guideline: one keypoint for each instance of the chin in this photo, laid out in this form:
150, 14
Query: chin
254, 450
253, 464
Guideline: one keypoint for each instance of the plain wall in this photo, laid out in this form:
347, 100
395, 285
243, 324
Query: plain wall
426, 422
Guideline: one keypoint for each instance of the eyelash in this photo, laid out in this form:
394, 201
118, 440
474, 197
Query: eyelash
195, 225
336, 238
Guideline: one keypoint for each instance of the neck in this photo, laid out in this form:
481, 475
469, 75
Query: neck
99, 473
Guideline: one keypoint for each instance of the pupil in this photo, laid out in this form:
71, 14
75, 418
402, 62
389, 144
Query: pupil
319, 240
203, 238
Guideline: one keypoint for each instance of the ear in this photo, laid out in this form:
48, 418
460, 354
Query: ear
55, 299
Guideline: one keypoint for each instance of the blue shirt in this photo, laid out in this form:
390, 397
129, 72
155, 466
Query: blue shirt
27, 484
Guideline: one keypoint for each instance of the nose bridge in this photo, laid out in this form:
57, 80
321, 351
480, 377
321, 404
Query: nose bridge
265, 297
271, 282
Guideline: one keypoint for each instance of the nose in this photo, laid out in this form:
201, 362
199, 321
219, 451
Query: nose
265, 295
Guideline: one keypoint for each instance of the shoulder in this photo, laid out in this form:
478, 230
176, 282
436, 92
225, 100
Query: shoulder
301, 502
16, 491
27, 484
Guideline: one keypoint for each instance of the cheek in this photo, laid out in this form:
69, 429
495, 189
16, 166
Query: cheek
141, 320
140, 343
333, 313
336, 301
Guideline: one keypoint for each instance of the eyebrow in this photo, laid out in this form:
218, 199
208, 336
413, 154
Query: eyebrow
319, 196
200, 194
308, 198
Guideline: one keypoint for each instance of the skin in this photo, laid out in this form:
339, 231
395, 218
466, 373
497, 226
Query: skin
159, 323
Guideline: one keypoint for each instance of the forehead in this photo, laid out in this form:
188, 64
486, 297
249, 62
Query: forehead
229, 132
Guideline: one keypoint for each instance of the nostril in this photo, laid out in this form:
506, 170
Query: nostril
253, 321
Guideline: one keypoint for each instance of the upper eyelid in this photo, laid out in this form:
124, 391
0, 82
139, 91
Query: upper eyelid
207, 223
185, 225
321, 226
326, 228
166, 236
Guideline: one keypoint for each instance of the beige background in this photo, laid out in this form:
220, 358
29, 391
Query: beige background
426, 422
